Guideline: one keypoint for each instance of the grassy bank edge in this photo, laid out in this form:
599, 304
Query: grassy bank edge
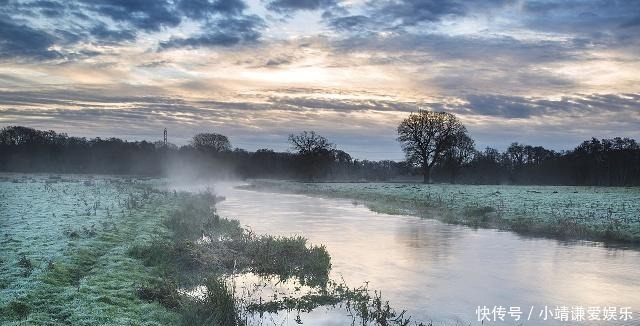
474, 216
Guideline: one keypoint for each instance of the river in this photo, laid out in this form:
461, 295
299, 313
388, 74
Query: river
443, 273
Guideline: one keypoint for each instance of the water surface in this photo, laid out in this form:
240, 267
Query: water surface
440, 272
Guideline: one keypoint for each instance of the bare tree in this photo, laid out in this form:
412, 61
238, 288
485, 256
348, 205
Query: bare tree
314, 153
426, 136
211, 142
461, 153
308, 142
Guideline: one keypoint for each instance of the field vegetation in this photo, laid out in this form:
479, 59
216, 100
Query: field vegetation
85, 250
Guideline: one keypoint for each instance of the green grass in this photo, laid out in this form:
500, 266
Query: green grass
112, 251
87, 278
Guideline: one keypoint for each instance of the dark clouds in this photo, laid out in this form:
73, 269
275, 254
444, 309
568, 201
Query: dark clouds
142, 14
202, 9
23, 34
104, 33
608, 23
224, 32
398, 15
587, 24
494, 106
50, 9
287, 6
353, 23
412, 12
279, 61
22, 41
228, 22
487, 105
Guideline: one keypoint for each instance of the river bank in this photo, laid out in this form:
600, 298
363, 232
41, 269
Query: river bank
108, 250
582, 213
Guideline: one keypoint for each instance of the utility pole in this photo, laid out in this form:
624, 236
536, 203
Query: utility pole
165, 138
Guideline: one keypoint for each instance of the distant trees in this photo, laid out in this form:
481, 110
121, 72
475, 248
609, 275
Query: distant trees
458, 155
211, 142
607, 162
599, 162
426, 136
314, 153
25, 149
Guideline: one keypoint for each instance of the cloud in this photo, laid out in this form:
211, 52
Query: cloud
488, 105
155, 64
288, 6
501, 65
412, 12
604, 22
19, 40
364, 126
51, 9
31, 29
624, 106
105, 34
632, 22
278, 61
398, 15
202, 9
351, 23
144, 15
224, 32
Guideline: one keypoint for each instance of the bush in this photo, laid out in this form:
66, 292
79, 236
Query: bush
218, 307
162, 291
290, 257
154, 254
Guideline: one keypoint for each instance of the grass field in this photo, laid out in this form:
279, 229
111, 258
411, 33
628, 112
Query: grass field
600, 213
99, 250
63, 250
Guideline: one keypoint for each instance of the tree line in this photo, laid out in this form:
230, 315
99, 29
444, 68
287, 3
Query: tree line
28, 150
437, 142
438, 148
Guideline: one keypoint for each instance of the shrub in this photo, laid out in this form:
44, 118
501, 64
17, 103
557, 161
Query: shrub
162, 291
218, 307
154, 254
290, 257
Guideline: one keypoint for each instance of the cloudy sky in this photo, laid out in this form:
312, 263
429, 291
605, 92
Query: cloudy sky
548, 73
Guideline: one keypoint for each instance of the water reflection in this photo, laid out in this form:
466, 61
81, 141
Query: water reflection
442, 272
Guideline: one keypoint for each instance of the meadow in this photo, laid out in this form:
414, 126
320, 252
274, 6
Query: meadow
87, 250
592, 213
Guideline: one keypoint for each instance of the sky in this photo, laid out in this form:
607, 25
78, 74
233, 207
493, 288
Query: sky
550, 73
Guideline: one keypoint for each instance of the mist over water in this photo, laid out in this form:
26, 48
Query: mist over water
441, 272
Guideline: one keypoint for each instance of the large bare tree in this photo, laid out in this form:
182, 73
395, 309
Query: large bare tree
426, 136
314, 153
308, 142
211, 142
